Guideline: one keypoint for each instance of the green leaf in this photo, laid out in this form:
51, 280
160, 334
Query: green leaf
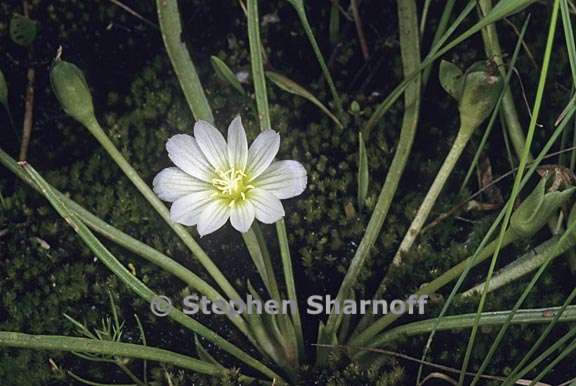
23, 30
225, 73
260, 256
325, 338
258, 66
363, 172
301, 11
292, 87
451, 78
171, 27
128, 350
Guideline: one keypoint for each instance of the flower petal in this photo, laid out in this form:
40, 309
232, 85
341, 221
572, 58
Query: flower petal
172, 183
187, 209
212, 144
214, 215
262, 152
284, 179
237, 145
185, 153
268, 207
242, 215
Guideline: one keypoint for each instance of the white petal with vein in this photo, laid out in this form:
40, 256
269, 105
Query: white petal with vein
187, 209
185, 153
237, 145
285, 179
213, 217
172, 183
262, 152
242, 216
212, 144
268, 206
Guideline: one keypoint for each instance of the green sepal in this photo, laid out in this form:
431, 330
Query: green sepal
480, 93
451, 79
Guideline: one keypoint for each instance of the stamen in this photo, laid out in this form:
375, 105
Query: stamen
230, 184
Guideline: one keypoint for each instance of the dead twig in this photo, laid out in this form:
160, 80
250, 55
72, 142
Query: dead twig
133, 13
359, 29
29, 100
438, 375
524, 45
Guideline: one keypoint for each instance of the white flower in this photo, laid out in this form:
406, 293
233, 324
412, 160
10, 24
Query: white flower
217, 180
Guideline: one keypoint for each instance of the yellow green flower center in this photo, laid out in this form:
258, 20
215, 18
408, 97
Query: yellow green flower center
231, 185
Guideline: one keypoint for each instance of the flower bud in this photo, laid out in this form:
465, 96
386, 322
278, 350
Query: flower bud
480, 92
72, 91
535, 211
476, 91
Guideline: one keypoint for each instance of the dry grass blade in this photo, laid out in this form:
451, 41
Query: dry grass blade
437, 375
133, 13
360, 30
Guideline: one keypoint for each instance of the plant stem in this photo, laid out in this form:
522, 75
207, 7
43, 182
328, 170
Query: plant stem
558, 343
439, 32
418, 222
129, 373
290, 284
261, 258
494, 52
520, 369
426, 207
521, 266
171, 27
410, 50
133, 13
301, 11
257, 66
